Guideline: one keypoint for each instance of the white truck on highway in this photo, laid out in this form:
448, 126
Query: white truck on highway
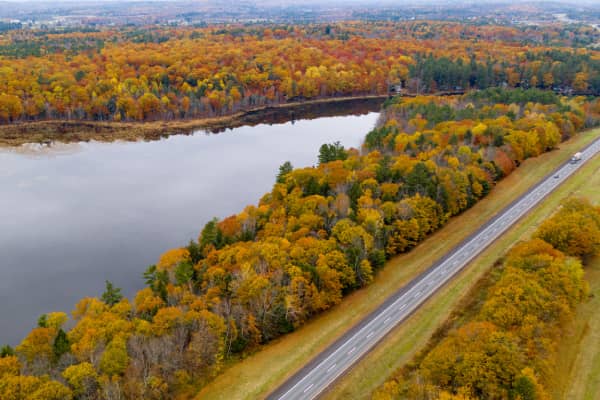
576, 157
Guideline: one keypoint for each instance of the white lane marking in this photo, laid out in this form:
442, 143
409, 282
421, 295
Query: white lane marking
401, 307
352, 350
330, 368
308, 388
370, 334
386, 320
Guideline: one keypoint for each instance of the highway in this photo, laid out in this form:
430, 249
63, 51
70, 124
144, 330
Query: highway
324, 369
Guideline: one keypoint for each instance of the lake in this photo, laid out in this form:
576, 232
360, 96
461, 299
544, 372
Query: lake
74, 215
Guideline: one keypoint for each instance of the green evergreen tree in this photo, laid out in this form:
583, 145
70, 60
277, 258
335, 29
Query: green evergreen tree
332, 152
61, 344
284, 169
112, 295
42, 321
6, 351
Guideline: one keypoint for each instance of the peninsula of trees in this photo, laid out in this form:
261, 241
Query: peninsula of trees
321, 233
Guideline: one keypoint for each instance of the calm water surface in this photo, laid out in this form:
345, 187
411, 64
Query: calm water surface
74, 215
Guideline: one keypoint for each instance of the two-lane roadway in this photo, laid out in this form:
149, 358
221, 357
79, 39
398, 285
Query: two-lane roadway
322, 371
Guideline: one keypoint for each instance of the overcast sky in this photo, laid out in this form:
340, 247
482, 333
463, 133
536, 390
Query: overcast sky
413, 2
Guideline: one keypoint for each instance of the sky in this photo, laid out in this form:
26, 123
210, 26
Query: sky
412, 2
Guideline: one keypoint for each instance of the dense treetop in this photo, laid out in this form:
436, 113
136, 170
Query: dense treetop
160, 73
320, 233
504, 346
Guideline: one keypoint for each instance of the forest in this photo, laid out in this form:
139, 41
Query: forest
154, 73
321, 233
504, 346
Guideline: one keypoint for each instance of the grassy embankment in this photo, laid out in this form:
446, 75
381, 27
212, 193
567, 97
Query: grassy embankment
255, 376
77, 131
579, 356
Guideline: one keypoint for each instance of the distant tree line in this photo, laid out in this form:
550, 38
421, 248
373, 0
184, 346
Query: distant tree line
133, 74
562, 71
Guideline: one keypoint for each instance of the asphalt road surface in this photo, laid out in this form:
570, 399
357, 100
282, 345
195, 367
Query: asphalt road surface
323, 370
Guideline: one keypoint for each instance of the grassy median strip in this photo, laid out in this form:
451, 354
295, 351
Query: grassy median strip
255, 376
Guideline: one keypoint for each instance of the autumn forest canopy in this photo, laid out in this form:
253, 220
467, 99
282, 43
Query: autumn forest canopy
135, 74
505, 345
322, 232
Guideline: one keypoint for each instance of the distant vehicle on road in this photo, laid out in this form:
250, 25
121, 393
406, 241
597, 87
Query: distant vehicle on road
556, 176
576, 157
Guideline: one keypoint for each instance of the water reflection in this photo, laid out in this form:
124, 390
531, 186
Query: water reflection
74, 215
45, 149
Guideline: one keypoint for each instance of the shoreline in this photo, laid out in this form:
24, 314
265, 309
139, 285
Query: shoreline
84, 130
